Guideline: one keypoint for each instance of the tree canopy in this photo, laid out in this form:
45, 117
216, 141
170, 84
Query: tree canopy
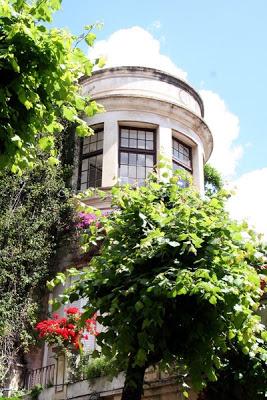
39, 81
175, 281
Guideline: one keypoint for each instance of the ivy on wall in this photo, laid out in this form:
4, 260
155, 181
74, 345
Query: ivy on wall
37, 219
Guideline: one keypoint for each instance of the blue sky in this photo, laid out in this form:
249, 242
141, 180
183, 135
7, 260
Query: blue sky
221, 45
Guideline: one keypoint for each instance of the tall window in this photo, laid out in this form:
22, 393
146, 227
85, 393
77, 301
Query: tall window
137, 154
91, 160
181, 156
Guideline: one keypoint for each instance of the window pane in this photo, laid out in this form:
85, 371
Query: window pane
133, 134
84, 177
149, 160
149, 145
141, 159
124, 171
141, 172
132, 171
124, 142
124, 158
132, 159
92, 147
133, 143
86, 140
99, 145
149, 135
141, 135
124, 133
141, 144
84, 165
85, 149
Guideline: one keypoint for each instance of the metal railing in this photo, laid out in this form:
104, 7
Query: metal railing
44, 376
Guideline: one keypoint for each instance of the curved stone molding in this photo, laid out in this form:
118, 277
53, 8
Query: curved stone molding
146, 82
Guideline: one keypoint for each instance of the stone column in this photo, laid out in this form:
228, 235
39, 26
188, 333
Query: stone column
198, 172
110, 153
164, 145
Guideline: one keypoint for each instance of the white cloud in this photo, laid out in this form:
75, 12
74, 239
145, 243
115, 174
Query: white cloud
250, 199
134, 46
225, 128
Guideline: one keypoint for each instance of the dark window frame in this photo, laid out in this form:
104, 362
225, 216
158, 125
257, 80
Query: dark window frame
179, 162
136, 150
84, 156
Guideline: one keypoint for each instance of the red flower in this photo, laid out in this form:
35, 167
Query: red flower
66, 330
72, 310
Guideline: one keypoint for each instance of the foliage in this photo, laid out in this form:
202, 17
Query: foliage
37, 219
242, 377
174, 281
85, 366
35, 391
212, 179
66, 331
39, 84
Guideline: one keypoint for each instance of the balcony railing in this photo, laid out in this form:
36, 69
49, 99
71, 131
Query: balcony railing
44, 376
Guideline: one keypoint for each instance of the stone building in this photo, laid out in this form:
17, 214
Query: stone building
148, 113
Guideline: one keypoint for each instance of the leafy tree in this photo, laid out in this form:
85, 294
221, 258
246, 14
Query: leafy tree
174, 281
212, 179
39, 82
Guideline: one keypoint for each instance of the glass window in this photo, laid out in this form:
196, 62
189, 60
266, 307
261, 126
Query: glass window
137, 154
90, 174
181, 155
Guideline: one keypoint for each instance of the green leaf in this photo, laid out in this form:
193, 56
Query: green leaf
90, 38
69, 113
14, 64
82, 130
46, 143
140, 357
53, 161
213, 300
138, 306
101, 62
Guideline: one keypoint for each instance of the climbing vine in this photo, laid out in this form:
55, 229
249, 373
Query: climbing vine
37, 220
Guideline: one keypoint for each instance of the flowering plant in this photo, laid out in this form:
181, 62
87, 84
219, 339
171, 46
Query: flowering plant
66, 331
85, 219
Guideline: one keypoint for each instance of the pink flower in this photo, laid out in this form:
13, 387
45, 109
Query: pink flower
85, 220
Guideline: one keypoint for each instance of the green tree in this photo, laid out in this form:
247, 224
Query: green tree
39, 82
212, 179
175, 283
